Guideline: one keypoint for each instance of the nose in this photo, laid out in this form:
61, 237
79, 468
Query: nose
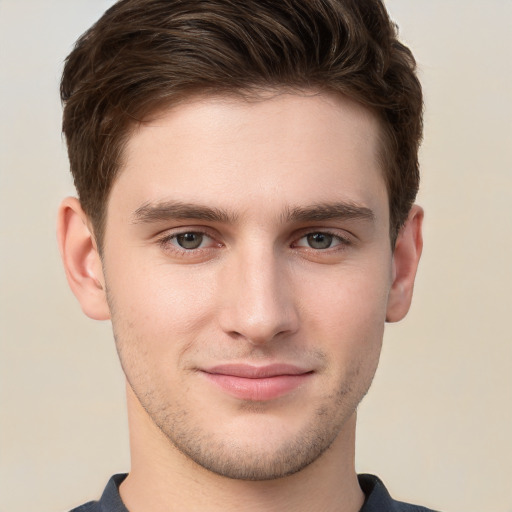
258, 303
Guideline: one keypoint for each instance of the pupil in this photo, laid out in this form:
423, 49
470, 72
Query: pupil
320, 240
190, 240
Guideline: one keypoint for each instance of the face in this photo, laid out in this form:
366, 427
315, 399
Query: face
248, 266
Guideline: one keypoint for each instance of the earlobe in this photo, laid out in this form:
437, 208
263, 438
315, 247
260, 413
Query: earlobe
406, 256
81, 259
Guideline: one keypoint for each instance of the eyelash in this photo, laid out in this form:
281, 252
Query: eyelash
343, 242
165, 242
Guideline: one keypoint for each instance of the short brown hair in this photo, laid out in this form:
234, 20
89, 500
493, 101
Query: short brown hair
143, 55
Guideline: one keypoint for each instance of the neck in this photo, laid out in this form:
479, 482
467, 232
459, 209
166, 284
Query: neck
161, 475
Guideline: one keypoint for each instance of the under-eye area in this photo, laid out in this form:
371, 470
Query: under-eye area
189, 243
200, 243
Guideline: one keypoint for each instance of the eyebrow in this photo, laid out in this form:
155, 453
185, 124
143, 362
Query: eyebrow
329, 211
167, 210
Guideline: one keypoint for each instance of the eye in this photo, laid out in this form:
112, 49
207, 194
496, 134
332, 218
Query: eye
190, 240
187, 241
319, 241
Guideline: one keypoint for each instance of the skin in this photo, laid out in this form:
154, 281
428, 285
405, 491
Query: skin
283, 211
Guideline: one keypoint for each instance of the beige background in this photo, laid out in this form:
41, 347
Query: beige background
437, 425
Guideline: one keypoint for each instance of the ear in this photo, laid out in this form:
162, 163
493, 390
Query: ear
406, 257
81, 259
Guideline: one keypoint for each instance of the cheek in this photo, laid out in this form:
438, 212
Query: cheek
157, 309
348, 315
160, 291
349, 298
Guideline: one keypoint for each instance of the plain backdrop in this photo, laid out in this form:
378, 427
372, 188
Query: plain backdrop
437, 424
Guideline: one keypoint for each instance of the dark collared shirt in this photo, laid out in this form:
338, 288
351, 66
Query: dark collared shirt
377, 498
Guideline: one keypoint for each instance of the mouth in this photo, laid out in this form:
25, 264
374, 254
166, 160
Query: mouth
257, 383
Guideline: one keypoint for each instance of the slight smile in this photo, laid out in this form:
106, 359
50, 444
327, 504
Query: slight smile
257, 383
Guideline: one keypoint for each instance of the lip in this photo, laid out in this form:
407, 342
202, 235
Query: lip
257, 383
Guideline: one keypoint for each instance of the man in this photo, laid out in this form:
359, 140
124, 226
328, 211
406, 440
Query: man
246, 174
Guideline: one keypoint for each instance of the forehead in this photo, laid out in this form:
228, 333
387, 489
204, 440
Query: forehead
280, 149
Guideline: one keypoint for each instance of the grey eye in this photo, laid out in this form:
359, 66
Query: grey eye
319, 240
190, 240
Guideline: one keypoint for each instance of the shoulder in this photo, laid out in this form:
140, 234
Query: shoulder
378, 498
91, 506
110, 500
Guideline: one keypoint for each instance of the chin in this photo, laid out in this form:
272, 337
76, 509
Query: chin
256, 445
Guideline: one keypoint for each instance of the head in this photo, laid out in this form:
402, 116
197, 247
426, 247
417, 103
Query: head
143, 56
242, 168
